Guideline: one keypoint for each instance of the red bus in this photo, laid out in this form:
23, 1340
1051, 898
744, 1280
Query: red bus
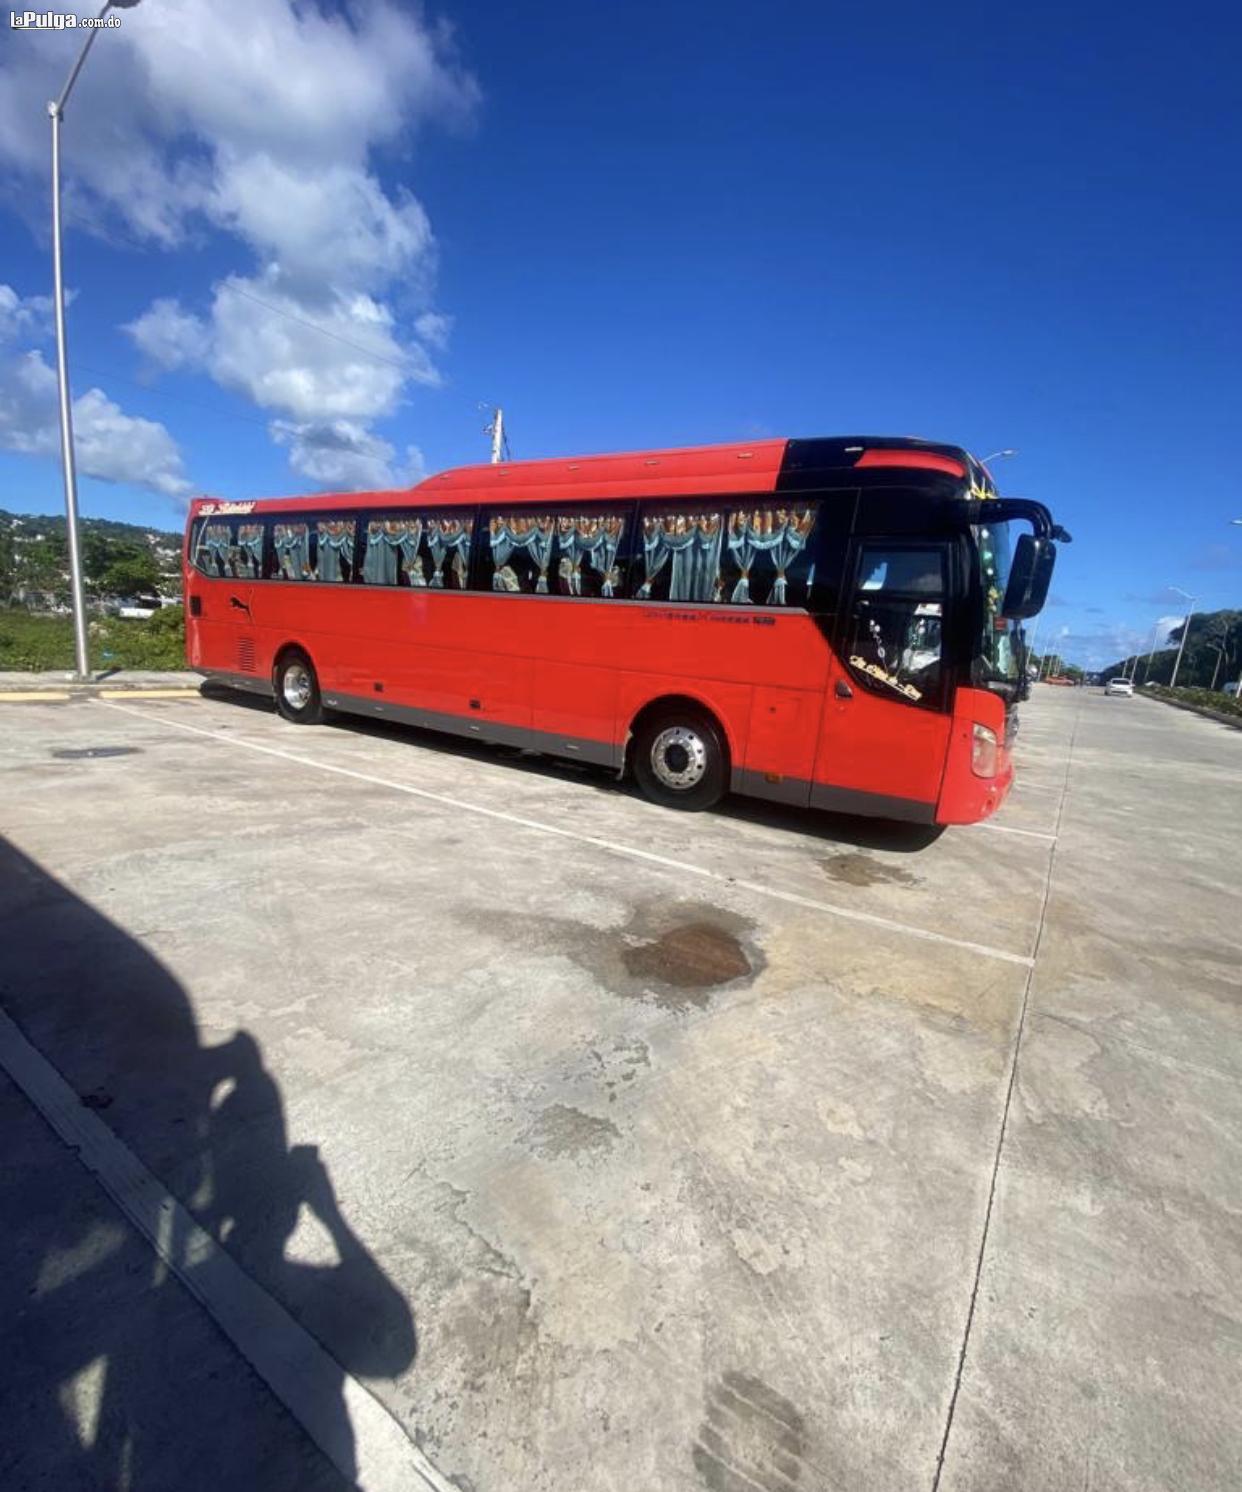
830, 623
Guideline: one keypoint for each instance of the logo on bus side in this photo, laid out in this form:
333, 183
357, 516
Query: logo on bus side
213, 510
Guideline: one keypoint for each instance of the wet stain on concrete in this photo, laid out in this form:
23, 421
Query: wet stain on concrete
856, 869
679, 954
564, 1130
690, 956
85, 753
752, 1438
675, 954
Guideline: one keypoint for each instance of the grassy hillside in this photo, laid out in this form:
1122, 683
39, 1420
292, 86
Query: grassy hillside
118, 560
34, 643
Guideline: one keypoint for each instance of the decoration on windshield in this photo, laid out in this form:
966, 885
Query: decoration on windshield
877, 671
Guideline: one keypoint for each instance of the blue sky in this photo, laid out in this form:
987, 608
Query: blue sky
640, 225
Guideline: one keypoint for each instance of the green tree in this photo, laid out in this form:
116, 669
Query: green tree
132, 573
97, 554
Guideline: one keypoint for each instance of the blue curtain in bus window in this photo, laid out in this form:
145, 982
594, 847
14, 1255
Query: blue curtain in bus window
291, 542
248, 551
449, 540
216, 549
691, 542
779, 533
392, 543
595, 539
336, 549
517, 532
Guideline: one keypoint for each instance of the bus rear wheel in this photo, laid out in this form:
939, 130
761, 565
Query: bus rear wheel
680, 760
297, 689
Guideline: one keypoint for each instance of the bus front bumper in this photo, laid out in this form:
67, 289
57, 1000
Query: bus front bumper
965, 796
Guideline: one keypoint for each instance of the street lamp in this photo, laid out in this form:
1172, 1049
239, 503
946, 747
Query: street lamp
1185, 632
56, 112
996, 455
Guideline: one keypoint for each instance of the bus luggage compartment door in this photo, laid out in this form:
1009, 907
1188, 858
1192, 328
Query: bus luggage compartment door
780, 744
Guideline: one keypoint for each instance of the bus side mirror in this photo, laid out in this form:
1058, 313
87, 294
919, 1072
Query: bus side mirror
1030, 575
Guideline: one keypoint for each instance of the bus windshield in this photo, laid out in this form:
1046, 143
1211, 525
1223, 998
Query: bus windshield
998, 653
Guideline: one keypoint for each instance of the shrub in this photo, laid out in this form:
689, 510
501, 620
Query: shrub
1198, 699
36, 643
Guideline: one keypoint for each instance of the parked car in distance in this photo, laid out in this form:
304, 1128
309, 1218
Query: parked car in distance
1119, 686
138, 608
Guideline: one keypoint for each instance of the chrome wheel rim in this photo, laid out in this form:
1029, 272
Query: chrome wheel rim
679, 758
296, 686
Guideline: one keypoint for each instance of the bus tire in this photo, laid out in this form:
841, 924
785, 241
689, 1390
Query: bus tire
680, 759
297, 689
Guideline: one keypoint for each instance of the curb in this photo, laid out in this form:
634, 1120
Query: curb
1234, 721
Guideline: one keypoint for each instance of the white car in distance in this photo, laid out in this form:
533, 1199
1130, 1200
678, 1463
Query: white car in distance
1119, 686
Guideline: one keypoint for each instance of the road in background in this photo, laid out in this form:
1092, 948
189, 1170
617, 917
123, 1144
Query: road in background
611, 1147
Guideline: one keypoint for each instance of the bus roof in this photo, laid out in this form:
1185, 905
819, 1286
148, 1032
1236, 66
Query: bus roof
751, 466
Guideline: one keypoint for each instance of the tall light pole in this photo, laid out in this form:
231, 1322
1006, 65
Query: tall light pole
1155, 632
56, 112
1190, 611
1238, 523
1219, 649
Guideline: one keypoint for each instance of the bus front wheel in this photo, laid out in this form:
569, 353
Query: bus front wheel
680, 760
297, 690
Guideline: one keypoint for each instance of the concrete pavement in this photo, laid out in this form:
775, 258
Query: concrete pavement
613, 1148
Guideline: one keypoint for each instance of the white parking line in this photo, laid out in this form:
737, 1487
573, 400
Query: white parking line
682, 867
301, 1373
1013, 829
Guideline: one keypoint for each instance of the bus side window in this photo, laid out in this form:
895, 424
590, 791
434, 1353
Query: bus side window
291, 551
247, 551
588, 557
517, 551
766, 560
894, 641
334, 549
677, 554
445, 550
213, 549
394, 551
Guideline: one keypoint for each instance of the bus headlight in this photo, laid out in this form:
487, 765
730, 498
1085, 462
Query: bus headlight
984, 752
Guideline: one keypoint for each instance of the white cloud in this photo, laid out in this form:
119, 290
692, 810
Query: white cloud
109, 444
24, 316
434, 328
324, 225
169, 337
344, 455
335, 359
262, 124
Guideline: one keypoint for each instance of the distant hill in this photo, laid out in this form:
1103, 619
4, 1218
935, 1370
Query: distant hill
118, 560
108, 528
1213, 652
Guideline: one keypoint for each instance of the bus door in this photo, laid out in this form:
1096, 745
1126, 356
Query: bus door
227, 559
885, 728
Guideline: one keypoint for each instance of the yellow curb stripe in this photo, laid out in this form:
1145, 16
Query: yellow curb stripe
148, 694
32, 696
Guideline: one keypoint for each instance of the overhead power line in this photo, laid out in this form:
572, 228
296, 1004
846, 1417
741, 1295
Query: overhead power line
324, 331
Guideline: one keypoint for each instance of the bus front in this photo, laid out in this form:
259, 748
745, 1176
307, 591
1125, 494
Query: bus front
1011, 543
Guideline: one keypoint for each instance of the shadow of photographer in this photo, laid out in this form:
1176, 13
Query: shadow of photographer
114, 1377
